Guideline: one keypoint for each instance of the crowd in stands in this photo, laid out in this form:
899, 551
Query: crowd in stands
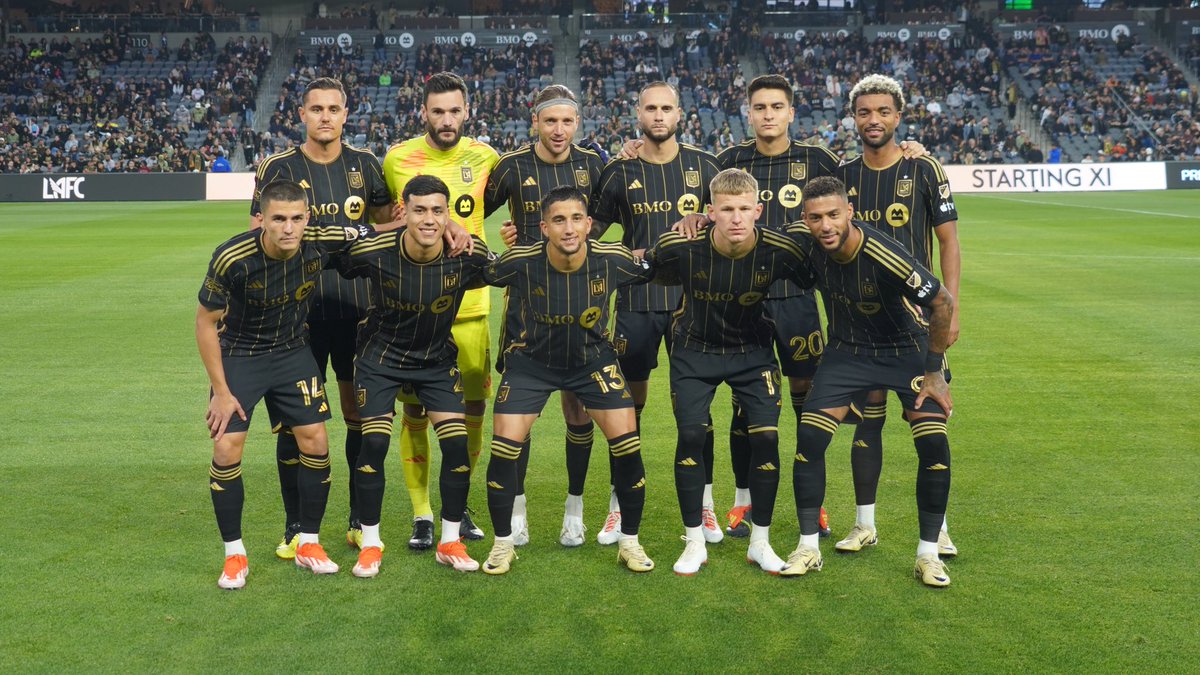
104, 105
1115, 102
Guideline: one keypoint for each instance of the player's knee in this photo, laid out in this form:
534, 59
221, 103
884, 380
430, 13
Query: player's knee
506, 449
932, 443
874, 414
625, 445
312, 439
690, 446
475, 408
813, 434
580, 434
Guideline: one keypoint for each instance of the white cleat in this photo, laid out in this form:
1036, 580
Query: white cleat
573, 531
713, 533
520, 530
611, 532
695, 556
760, 553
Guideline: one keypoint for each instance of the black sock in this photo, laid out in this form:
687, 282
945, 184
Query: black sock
689, 473
708, 452
813, 434
314, 491
372, 479
228, 495
354, 432
287, 461
502, 483
579, 453
454, 481
523, 464
739, 447
764, 473
629, 478
933, 474
866, 453
798, 399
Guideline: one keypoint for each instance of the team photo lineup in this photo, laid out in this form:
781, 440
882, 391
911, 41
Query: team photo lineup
378, 270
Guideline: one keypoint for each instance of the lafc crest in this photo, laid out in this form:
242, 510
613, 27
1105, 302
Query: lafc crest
904, 188
597, 286
356, 179
450, 281
799, 171
468, 176
582, 179
691, 178
762, 277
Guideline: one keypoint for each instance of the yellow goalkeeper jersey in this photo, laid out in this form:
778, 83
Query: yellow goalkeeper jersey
464, 168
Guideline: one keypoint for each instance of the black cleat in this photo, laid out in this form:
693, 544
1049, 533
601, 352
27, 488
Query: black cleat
468, 529
422, 536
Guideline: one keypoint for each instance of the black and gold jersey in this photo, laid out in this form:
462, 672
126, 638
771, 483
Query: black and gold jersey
408, 325
781, 179
521, 178
564, 315
906, 200
340, 192
647, 199
722, 309
869, 300
266, 300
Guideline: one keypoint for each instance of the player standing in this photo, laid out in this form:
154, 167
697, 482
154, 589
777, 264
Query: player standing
345, 187
520, 179
406, 345
869, 284
566, 282
720, 334
646, 195
250, 330
463, 164
909, 199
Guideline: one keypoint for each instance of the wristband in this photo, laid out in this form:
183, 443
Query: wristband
934, 361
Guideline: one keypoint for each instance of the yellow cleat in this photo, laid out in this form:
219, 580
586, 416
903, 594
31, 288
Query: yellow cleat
501, 558
946, 548
633, 556
286, 550
801, 561
931, 571
860, 536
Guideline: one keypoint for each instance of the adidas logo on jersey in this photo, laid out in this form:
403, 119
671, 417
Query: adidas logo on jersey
539, 292
635, 185
304, 184
256, 285
852, 193
529, 182
701, 275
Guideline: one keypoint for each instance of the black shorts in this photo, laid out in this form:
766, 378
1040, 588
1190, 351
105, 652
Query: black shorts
333, 341
527, 385
798, 337
636, 339
289, 381
438, 388
754, 378
843, 379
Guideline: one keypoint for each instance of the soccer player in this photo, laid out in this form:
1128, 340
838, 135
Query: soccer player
406, 344
646, 195
345, 187
720, 334
463, 164
250, 330
565, 282
869, 284
910, 200
520, 179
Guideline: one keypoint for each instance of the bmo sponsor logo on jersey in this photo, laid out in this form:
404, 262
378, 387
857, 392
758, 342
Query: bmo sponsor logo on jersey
67, 187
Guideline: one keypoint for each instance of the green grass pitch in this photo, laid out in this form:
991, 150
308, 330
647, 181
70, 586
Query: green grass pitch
1075, 450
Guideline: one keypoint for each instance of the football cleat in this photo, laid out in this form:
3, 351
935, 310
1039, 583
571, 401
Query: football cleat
824, 524
368, 563
233, 576
287, 546
738, 527
633, 556
695, 556
710, 527
801, 561
573, 531
354, 534
860, 536
931, 571
760, 553
454, 554
520, 530
312, 557
500, 559
611, 532
422, 535
469, 530
946, 548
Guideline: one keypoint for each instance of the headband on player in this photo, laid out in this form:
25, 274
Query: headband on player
555, 101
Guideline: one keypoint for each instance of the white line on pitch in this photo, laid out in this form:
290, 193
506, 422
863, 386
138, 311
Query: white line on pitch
1086, 206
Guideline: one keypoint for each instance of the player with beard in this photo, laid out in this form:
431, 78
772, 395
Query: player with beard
910, 200
464, 165
666, 181
521, 179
